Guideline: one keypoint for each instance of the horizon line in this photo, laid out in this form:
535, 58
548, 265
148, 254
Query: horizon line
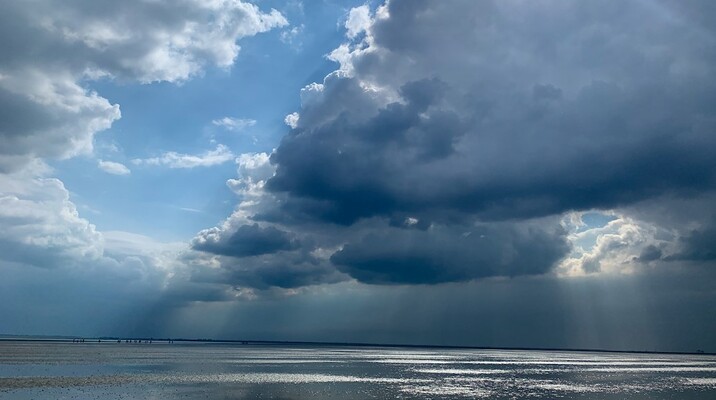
69, 339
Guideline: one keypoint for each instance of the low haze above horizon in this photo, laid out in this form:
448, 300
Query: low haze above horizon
464, 173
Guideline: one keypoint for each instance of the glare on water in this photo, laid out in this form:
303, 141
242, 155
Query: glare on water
189, 371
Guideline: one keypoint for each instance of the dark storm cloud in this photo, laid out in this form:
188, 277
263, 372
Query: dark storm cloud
282, 270
650, 253
697, 245
575, 122
690, 234
602, 149
495, 118
354, 167
248, 240
437, 255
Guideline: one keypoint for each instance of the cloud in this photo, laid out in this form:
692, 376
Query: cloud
697, 245
234, 124
173, 159
270, 271
515, 121
147, 42
51, 53
113, 168
247, 240
130, 284
437, 255
259, 259
454, 142
619, 246
358, 21
419, 138
48, 116
41, 226
292, 37
49, 252
292, 120
51, 58
650, 253
253, 170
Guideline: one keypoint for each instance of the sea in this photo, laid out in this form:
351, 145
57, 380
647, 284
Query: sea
162, 370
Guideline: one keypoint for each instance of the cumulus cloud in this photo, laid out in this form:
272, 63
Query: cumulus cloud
697, 245
148, 42
438, 255
173, 159
618, 245
48, 116
57, 266
454, 142
249, 256
50, 52
492, 117
41, 226
253, 169
51, 56
650, 253
358, 21
292, 120
270, 272
234, 124
113, 168
518, 123
247, 240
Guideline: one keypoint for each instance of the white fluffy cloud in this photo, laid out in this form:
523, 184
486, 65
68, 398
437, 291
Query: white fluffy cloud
292, 120
50, 51
173, 159
358, 21
40, 225
614, 247
113, 168
253, 169
234, 124
47, 114
144, 41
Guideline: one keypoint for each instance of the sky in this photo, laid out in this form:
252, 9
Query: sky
479, 173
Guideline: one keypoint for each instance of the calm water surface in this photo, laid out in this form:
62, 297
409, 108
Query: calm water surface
212, 371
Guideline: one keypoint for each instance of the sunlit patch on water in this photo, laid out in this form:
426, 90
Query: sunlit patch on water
282, 361
569, 363
412, 361
617, 370
259, 378
447, 390
566, 387
711, 382
455, 371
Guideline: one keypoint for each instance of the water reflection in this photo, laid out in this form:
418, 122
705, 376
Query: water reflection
104, 371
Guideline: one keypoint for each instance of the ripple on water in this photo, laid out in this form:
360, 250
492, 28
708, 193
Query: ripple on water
709, 382
455, 371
